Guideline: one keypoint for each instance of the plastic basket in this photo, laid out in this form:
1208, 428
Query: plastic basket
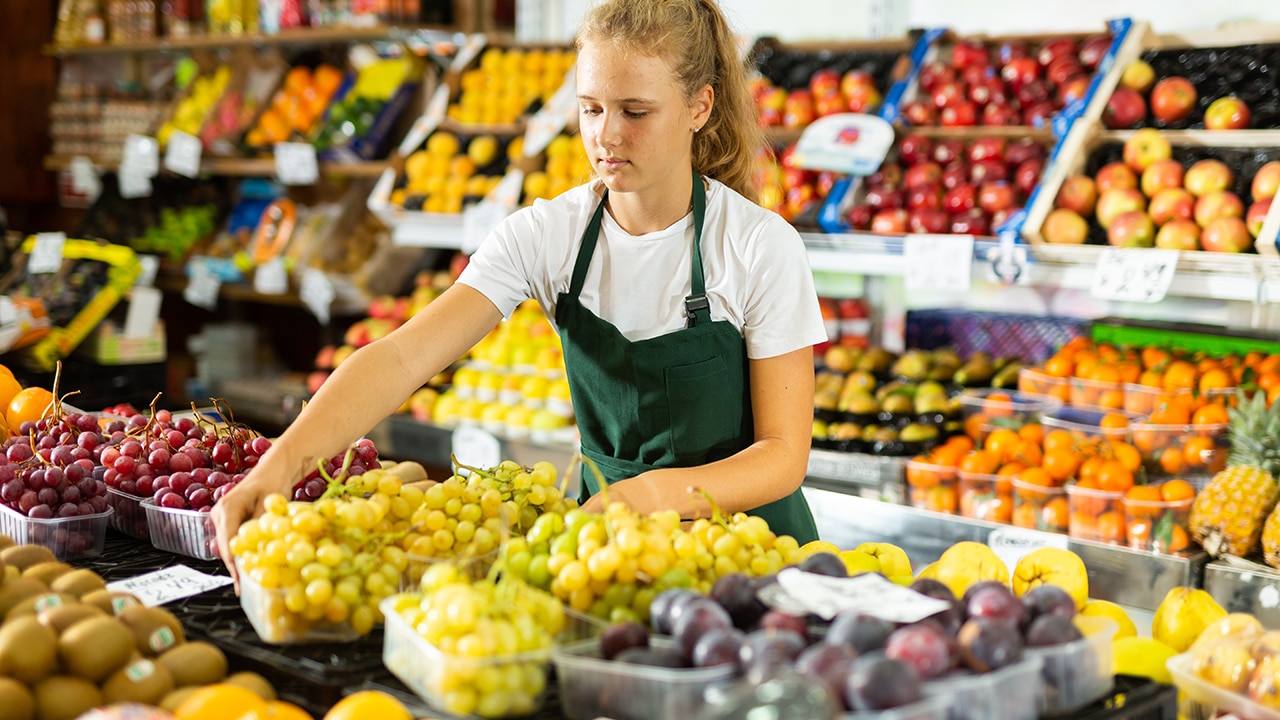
1199, 691
277, 625
1010, 693
74, 537
185, 532
1077, 673
129, 517
930, 708
932, 487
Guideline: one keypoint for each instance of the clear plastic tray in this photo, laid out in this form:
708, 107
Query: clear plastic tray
987, 408
930, 708
129, 517
1010, 693
1096, 515
1204, 693
277, 625
592, 687
1040, 508
986, 497
1096, 394
1180, 450
1077, 673
1158, 525
1141, 399
932, 487
474, 567
185, 532
1037, 382
1084, 424
74, 537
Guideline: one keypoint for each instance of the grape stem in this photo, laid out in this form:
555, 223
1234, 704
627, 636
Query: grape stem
716, 515
337, 483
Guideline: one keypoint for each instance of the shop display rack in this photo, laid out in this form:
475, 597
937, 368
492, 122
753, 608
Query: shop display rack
298, 37
1242, 586
249, 167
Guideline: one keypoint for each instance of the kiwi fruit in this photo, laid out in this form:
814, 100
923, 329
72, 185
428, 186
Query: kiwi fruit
79, 583
140, 681
169, 703
61, 697
47, 572
255, 682
15, 591
95, 648
16, 701
24, 556
154, 629
60, 617
28, 650
194, 663
33, 604
110, 602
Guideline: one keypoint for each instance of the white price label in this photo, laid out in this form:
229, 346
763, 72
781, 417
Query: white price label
437, 107
296, 164
182, 154
868, 593
144, 310
168, 584
937, 262
133, 184
317, 293
552, 118
150, 266
270, 277
507, 191
475, 447
46, 254
848, 143
84, 177
141, 155
468, 52
478, 221
1134, 274
1011, 544
203, 286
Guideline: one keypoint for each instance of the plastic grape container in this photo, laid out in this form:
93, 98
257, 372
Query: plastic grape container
129, 517
1077, 673
276, 624
185, 532
74, 537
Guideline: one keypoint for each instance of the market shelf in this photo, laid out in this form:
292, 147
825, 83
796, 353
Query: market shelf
242, 293
246, 167
292, 37
1241, 586
1118, 574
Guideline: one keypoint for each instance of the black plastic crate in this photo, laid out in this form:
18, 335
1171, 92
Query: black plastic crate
1133, 698
1033, 338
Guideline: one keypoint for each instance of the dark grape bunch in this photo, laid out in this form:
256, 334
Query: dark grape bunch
45, 473
364, 459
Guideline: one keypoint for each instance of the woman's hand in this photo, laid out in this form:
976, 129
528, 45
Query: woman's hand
244, 502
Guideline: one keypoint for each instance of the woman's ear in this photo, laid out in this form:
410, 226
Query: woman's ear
703, 100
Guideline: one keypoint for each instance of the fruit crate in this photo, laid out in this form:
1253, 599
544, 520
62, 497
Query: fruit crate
1090, 148
1076, 673
68, 538
277, 625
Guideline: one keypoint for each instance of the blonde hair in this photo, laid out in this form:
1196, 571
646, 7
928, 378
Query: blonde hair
695, 37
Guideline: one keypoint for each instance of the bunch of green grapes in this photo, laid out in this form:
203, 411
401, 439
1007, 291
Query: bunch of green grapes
327, 564
496, 636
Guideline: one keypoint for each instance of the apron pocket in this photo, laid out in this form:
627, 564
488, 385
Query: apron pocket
701, 419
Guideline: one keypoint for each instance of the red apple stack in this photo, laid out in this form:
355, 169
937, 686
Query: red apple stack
787, 189
828, 92
1172, 100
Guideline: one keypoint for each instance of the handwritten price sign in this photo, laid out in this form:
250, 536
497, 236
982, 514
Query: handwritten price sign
1134, 275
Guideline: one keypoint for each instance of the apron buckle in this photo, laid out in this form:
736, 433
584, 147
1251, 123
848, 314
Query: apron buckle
693, 305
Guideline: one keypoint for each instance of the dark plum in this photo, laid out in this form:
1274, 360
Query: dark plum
828, 663
861, 632
1046, 600
698, 618
624, 636
718, 646
987, 645
825, 563
660, 609
736, 592
949, 619
969, 591
783, 621
996, 602
877, 682
924, 646
765, 652
1051, 630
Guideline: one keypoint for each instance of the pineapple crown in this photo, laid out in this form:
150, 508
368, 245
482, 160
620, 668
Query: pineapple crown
1255, 434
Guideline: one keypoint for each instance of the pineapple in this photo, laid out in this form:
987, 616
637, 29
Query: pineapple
1228, 514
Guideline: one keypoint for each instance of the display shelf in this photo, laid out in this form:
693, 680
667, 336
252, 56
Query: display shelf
1118, 574
246, 167
1248, 587
292, 37
241, 293
873, 477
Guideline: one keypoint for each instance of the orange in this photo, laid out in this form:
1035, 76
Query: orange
1211, 414
1269, 364
8, 388
1005, 476
1139, 532
1153, 357
947, 455
368, 705
1089, 468
1055, 514
1215, 379
1036, 476
1026, 452
1062, 391
982, 462
1108, 352
1198, 451
1111, 527
1267, 380
1075, 345
1151, 378
1130, 372
1171, 461
1061, 463
1176, 490
1180, 375
1272, 394
922, 477
1032, 432
1114, 421
1106, 374
1002, 442
998, 405
1113, 399
1169, 412
1127, 454
975, 425
1083, 525
941, 499
1178, 540
1114, 476
1144, 493
221, 701
963, 442
281, 710
1058, 439
29, 405
1024, 515
1059, 366
1145, 440
4, 369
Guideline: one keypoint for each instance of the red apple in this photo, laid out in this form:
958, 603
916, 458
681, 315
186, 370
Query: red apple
800, 198
795, 177
947, 151
770, 117
1226, 234
1173, 99
1132, 229
324, 358
928, 173
1172, 203
920, 113
1001, 113
799, 110
889, 221
885, 197
1206, 176
915, 149
1020, 71
988, 90
826, 180
823, 81
1145, 147
1078, 194
1034, 91
959, 114
829, 102
853, 79
1024, 149
1116, 176
1114, 203
1218, 204
1027, 176
1138, 75
863, 99
859, 216
1124, 109
999, 217
1039, 114
1161, 174
978, 73
955, 174
1178, 235
1074, 88
1227, 113
787, 158
1058, 71
889, 174
949, 93
987, 149
967, 53
934, 74
971, 222
927, 196
988, 171
1011, 49
1257, 216
996, 196
315, 380
960, 198
1053, 49
1266, 181
1093, 49
928, 220
1065, 227
774, 98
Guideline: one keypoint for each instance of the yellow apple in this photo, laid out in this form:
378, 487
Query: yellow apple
1053, 566
858, 562
1183, 614
966, 563
893, 559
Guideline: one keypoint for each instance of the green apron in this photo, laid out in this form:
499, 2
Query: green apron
676, 400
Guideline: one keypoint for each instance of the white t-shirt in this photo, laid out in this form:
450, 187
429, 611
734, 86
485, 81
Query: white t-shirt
755, 267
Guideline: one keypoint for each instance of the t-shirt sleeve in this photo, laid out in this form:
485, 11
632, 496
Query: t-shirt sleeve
500, 268
781, 309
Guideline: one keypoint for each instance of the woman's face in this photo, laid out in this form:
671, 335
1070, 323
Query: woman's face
636, 124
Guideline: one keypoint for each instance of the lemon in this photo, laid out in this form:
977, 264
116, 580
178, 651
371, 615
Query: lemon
1143, 657
1053, 566
1117, 614
1184, 614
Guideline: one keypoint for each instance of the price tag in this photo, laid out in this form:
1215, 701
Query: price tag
133, 184
270, 277
437, 107
847, 143
317, 293
84, 177
168, 584
468, 52
868, 593
1011, 544
1134, 274
296, 164
144, 310
150, 266
182, 155
141, 155
507, 191
203, 286
475, 447
46, 255
478, 221
937, 262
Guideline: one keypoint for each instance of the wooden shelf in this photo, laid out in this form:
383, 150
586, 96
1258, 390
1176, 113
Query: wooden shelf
301, 36
248, 167
176, 284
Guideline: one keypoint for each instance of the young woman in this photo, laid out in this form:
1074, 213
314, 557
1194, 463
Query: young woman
687, 312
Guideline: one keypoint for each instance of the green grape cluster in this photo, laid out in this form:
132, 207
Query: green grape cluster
325, 566
493, 637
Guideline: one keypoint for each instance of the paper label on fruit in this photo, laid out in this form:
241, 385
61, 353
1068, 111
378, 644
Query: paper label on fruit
203, 286
270, 277
937, 263
475, 447
848, 143
141, 155
1011, 544
296, 164
46, 254
868, 593
168, 584
182, 154
1134, 275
